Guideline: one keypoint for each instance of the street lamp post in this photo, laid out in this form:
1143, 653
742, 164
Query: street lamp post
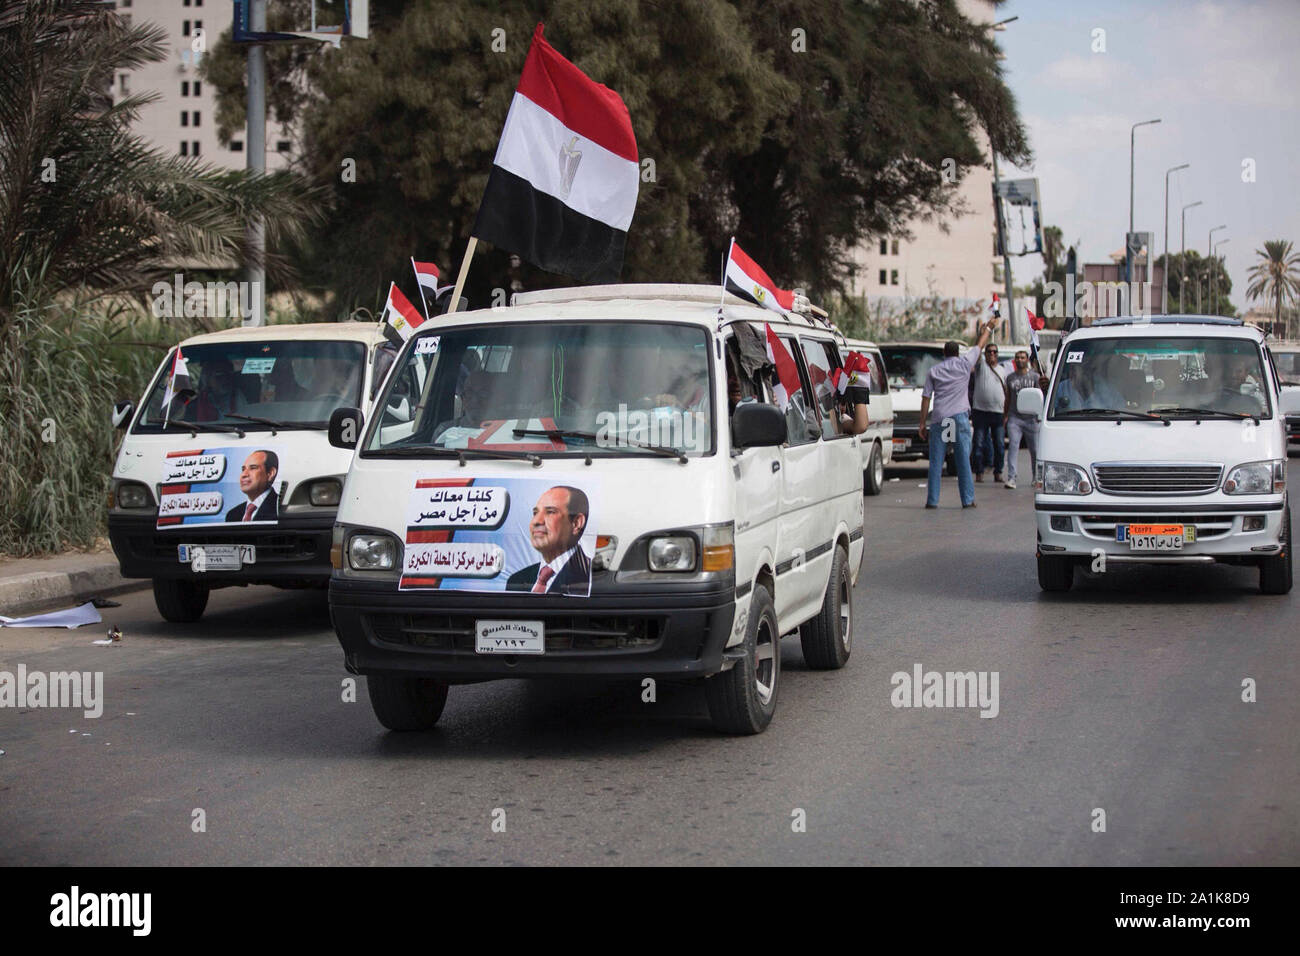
1132, 144
1182, 257
1214, 273
1164, 273
1209, 255
1012, 325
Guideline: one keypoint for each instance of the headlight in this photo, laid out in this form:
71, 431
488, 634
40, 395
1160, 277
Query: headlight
132, 495
676, 553
1256, 478
372, 552
325, 492
1062, 479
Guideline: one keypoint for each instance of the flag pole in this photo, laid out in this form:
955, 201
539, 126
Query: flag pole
420, 285
722, 299
464, 271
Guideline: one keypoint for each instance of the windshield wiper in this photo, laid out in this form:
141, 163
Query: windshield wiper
1211, 413
274, 424
195, 427
561, 433
461, 454
1108, 412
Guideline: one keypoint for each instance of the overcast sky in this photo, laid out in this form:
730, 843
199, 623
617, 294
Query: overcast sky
1223, 77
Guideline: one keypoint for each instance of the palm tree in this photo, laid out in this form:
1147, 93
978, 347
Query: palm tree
85, 203
1275, 277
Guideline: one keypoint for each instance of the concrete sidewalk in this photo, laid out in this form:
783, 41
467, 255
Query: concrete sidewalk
28, 585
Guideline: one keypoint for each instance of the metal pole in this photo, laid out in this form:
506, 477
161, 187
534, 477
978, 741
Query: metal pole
1164, 273
1013, 326
1209, 255
1128, 255
1214, 273
1182, 258
256, 162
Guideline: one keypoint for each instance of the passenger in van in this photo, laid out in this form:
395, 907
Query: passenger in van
218, 393
284, 386
1091, 386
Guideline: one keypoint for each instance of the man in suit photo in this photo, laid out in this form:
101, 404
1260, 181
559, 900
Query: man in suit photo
256, 480
559, 518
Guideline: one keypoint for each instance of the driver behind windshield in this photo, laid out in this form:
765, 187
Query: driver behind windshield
1092, 384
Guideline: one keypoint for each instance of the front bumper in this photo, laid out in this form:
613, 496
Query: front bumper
1219, 530
295, 552
670, 632
912, 447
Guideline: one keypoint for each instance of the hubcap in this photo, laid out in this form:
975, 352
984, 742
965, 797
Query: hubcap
846, 614
878, 472
765, 651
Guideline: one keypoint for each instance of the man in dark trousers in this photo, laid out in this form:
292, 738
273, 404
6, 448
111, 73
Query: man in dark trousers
559, 518
256, 481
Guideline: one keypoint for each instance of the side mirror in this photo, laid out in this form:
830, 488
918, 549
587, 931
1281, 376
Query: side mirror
122, 413
345, 427
755, 425
1290, 400
1029, 401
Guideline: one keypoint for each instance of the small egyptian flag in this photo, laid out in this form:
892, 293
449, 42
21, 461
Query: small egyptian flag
995, 308
787, 373
1036, 322
426, 277
177, 382
854, 374
401, 319
745, 278
564, 181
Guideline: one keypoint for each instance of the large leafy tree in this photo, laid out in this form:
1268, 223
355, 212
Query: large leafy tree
84, 202
1192, 278
1275, 277
801, 127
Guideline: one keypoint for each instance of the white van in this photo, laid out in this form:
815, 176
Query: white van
575, 497
237, 483
1162, 443
877, 442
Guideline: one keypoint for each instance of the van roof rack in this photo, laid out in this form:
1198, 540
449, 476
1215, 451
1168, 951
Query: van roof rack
1166, 320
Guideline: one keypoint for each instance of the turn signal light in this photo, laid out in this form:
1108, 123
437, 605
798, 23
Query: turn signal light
719, 557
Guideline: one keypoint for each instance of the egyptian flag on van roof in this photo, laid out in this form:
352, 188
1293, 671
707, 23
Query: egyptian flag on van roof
746, 279
400, 318
564, 182
426, 277
177, 382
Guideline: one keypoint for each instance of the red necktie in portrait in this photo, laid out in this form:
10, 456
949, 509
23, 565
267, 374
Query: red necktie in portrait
543, 578
249, 511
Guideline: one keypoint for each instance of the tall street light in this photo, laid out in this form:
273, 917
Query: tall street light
1012, 324
1132, 141
1214, 273
1164, 273
1182, 257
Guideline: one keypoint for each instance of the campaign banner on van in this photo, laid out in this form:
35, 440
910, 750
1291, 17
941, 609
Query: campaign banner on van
529, 535
224, 485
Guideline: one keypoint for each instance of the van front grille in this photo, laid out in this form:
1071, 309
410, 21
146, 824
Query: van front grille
1126, 479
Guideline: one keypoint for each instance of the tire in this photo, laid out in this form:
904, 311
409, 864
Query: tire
873, 479
736, 702
828, 638
406, 703
1055, 573
1275, 573
178, 600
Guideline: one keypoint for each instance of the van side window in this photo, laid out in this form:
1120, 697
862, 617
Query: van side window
802, 424
820, 360
879, 384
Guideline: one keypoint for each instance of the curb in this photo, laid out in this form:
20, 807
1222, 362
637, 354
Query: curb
24, 594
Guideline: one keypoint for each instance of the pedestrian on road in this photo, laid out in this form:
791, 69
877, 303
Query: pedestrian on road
1018, 425
948, 423
988, 406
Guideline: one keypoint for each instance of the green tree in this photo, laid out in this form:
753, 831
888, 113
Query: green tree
1275, 278
84, 202
1192, 277
802, 128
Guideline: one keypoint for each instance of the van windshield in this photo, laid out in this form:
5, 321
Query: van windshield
908, 365
539, 388
223, 385
1171, 377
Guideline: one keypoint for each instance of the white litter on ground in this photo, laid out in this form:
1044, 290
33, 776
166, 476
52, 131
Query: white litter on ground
71, 617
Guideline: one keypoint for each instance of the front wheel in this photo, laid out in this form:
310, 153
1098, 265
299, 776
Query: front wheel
1055, 573
1275, 573
178, 600
743, 699
873, 479
406, 703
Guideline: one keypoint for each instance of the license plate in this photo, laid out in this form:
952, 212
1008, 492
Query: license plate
900, 443
216, 557
509, 637
1155, 537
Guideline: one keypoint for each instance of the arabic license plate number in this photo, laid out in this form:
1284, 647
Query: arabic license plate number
217, 557
1155, 537
509, 637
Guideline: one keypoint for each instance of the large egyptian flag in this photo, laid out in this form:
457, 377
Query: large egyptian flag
745, 278
400, 318
564, 181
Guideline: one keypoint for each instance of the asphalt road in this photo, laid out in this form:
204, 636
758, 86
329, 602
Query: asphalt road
1124, 695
